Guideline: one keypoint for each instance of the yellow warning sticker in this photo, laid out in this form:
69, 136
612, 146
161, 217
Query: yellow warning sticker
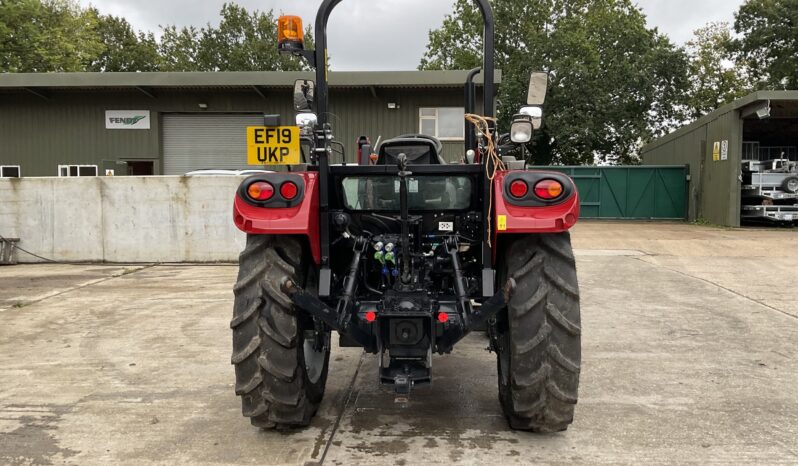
501, 224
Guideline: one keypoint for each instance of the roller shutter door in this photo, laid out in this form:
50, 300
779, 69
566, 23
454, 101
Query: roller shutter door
195, 142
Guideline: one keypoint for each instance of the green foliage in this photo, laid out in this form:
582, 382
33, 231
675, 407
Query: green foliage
615, 83
242, 41
714, 77
52, 35
768, 45
124, 49
59, 35
179, 49
458, 43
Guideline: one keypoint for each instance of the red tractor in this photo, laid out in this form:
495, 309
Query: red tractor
403, 254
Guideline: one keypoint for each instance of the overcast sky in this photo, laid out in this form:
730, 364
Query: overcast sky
359, 30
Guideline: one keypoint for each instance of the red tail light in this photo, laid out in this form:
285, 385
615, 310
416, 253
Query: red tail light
260, 191
519, 188
548, 189
443, 317
371, 316
288, 190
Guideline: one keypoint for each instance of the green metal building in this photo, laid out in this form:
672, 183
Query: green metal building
760, 126
68, 124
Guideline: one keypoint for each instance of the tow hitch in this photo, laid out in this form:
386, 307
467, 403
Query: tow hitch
404, 328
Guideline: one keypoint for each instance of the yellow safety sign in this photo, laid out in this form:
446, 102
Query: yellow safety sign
501, 224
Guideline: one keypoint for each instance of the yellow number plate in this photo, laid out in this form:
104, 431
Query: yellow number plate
273, 145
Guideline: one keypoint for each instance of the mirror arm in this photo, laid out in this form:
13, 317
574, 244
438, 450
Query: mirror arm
308, 55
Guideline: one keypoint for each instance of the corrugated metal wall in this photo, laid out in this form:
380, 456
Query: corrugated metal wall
69, 127
357, 112
714, 186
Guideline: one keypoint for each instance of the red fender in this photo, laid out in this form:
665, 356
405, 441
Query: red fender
302, 219
513, 219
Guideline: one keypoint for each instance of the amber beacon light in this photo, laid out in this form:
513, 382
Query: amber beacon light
289, 33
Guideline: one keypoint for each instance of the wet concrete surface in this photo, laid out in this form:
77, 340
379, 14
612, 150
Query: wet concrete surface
689, 356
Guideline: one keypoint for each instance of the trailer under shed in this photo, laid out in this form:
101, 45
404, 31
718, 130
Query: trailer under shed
761, 126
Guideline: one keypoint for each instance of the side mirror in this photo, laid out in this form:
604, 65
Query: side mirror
538, 85
304, 93
535, 114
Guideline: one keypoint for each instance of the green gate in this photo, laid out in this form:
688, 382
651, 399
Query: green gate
630, 192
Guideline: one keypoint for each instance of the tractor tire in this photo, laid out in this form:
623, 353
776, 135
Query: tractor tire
280, 375
539, 347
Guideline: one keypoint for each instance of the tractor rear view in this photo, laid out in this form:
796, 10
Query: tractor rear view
403, 255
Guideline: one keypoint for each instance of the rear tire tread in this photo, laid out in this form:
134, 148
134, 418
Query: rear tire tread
554, 312
270, 375
543, 334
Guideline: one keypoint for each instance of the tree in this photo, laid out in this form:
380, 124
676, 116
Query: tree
179, 48
54, 35
615, 84
242, 41
457, 44
768, 46
124, 49
59, 35
714, 77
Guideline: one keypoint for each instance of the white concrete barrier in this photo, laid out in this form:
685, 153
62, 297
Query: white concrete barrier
122, 219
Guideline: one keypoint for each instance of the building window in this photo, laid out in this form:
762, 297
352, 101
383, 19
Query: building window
10, 171
77, 170
445, 123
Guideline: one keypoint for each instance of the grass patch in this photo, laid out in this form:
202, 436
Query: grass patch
706, 223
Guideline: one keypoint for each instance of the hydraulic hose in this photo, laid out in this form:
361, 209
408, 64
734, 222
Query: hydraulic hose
403, 173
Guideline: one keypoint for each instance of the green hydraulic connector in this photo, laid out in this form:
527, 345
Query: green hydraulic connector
379, 256
390, 257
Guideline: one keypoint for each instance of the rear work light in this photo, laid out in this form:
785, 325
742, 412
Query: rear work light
288, 190
548, 189
260, 191
519, 188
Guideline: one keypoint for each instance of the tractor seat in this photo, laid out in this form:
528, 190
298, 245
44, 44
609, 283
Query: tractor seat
419, 149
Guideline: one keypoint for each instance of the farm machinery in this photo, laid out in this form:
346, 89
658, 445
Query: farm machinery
770, 190
403, 254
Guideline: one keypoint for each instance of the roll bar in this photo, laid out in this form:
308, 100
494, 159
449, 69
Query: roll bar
318, 58
322, 87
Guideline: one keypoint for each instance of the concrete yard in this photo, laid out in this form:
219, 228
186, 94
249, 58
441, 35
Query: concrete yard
690, 355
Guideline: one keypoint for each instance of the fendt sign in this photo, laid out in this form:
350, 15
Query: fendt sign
127, 119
